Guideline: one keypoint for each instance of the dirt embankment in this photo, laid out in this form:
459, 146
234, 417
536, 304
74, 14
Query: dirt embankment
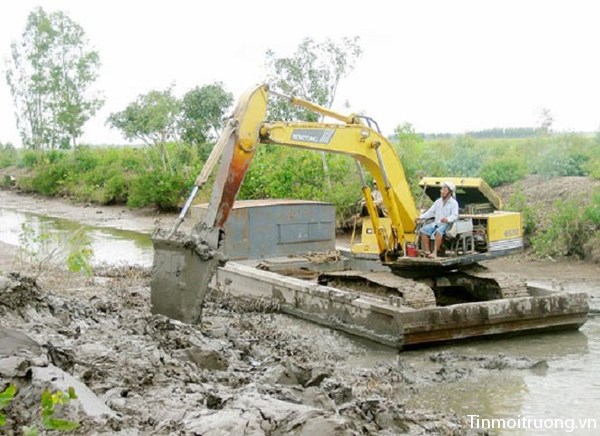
543, 193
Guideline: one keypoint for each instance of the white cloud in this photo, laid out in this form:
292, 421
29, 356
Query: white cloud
443, 66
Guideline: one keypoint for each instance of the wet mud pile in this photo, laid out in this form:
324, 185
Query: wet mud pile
245, 370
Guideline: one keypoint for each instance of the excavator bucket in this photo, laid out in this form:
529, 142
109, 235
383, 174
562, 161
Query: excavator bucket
182, 269
185, 264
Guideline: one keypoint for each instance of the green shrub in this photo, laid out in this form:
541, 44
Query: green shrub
80, 255
25, 183
48, 180
5, 181
592, 211
427, 159
502, 170
115, 189
158, 188
104, 184
592, 167
279, 172
566, 234
131, 159
518, 203
30, 158
564, 155
85, 159
466, 158
257, 181
8, 155
55, 156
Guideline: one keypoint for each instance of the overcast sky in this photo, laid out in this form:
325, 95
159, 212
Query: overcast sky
444, 66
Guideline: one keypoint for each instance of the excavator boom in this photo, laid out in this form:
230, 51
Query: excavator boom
367, 146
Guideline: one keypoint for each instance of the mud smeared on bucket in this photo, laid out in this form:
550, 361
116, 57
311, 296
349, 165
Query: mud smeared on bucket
181, 273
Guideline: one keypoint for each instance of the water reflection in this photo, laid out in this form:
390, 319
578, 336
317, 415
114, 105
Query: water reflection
567, 389
110, 246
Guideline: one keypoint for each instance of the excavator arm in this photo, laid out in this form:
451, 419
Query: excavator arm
241, 140
367, 146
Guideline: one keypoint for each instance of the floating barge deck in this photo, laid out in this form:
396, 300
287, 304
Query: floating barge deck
267, 243
386, 318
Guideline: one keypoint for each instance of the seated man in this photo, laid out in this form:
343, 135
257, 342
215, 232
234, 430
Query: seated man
445, 212
377, 201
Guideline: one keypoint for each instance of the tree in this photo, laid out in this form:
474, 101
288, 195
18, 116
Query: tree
50, 73
410, 150
152, 118
545, 121
313, 73
202, 111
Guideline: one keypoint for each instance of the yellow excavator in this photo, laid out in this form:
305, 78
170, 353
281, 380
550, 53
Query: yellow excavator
482, 232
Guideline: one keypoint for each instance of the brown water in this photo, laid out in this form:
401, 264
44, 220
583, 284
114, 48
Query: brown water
110, 246
568, 392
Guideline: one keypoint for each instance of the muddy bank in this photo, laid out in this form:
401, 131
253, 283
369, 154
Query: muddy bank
243, 370
152, 375
118, 217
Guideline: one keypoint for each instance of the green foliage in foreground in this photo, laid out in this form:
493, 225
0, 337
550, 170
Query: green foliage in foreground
6, 398
49, 401
40, 249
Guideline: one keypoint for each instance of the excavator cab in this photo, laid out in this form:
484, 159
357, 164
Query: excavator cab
483, 229
480, 215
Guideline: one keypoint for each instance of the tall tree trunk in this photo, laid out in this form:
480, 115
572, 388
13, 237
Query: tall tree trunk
326, 169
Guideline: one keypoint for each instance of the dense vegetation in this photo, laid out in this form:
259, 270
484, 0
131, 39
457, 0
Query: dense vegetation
137, 176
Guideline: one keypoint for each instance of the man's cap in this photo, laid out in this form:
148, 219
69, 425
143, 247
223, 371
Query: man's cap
450, 186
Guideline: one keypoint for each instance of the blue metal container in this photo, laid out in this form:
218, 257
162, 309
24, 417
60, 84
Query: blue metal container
258, 229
